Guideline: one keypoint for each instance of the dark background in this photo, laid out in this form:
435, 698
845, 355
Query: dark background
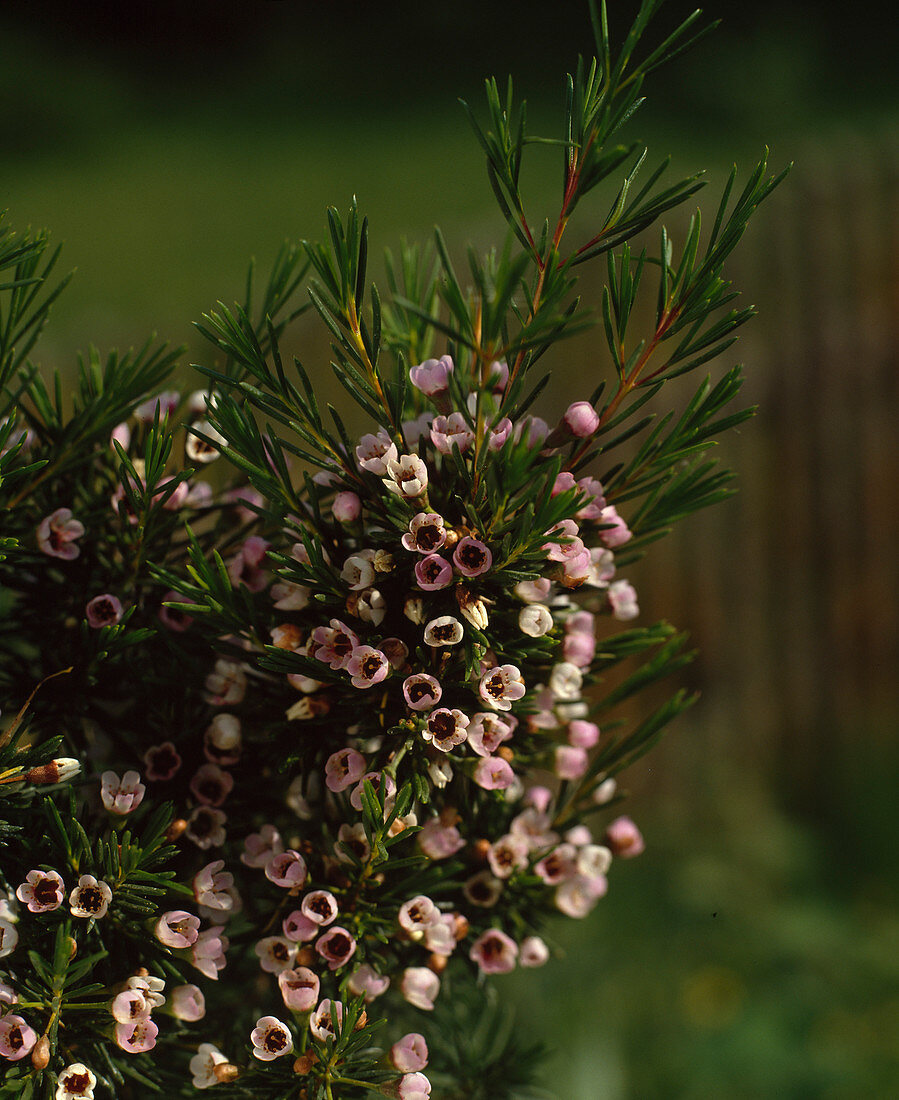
753, 951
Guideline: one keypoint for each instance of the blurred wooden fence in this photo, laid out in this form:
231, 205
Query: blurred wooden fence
791, 589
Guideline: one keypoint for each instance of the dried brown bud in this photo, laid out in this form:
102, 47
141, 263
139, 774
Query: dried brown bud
506, 753
56, 771
175, 830
437, 963
225, 1072
481, 848
305, 957
40, 1053
461, 927
362, 1021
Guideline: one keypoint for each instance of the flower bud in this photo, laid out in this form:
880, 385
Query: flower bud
40, 1053
60, 770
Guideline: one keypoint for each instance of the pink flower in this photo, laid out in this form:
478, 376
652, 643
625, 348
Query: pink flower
535, 620
346, 507
270, 1039
483, 889
433, 573
578, 895
557, 865
421, 691
414, 1086
137, 1037
320, 906
445, 728
596, 501
299, 988
297, 926
472, 557
449, 431
501, 686
16, 1037
563, 483
333, 645
374, 452
494, 952
211, 885
408, 476
56, 535
624, 838
205, 827
9, 937
444, 630
439, 841
90, 898
583, 734
533, 430
42, 891
288, 869
275, 954
366, 982
246, 567
177, 929
571, 762
420, 986
171, 617
432, 376
187, 1003
580, 419
104, 610
376, 779
533, 591
623, 600
260, 847
161, 761
579, 649
410, 1053
416, 914
533, 952
121, 796
497, 438
321, 1022
343, 769
202, 1066
367, 666
487, 732
507, 855
336, 947
211, 785
426, 533
492, 773
359, 570
166, 402
130, 1005
208, 954
615, 531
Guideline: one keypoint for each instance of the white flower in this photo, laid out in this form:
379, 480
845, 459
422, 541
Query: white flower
408, 476
203, 1064
445, 630
270, 1039
535, 620
198, 450
90, 898
565, 681
358, 570
76, 1082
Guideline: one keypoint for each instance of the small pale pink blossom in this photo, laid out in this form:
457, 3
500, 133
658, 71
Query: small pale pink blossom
624, 838
472, 557
299, 988
222, 741
445, 728
208, 953
337, 946
334, 644
432, 376
136, 1037
426, 533
374, 452
287, 869
420, 987
275, 953
322, 1021
42, 891
210, 785
57, 535
320, 906
368, 983
205, 827
161, 762
421, 691
533, 952
103, 610
202, 1066
494, 952
177, 929
581, 420
75, 1082
450, 431
211, 886
187, 1003
271, 1039
346, 507
570, 761
622, 598
408, 477
367, 666
16, 1037
492, 773
433, 573
501, 687
444, 630
343, 769
410, 1053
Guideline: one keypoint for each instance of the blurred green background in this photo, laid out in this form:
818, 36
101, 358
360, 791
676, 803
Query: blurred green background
753, 951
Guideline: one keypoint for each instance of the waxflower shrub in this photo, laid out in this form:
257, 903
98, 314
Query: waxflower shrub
310, 733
